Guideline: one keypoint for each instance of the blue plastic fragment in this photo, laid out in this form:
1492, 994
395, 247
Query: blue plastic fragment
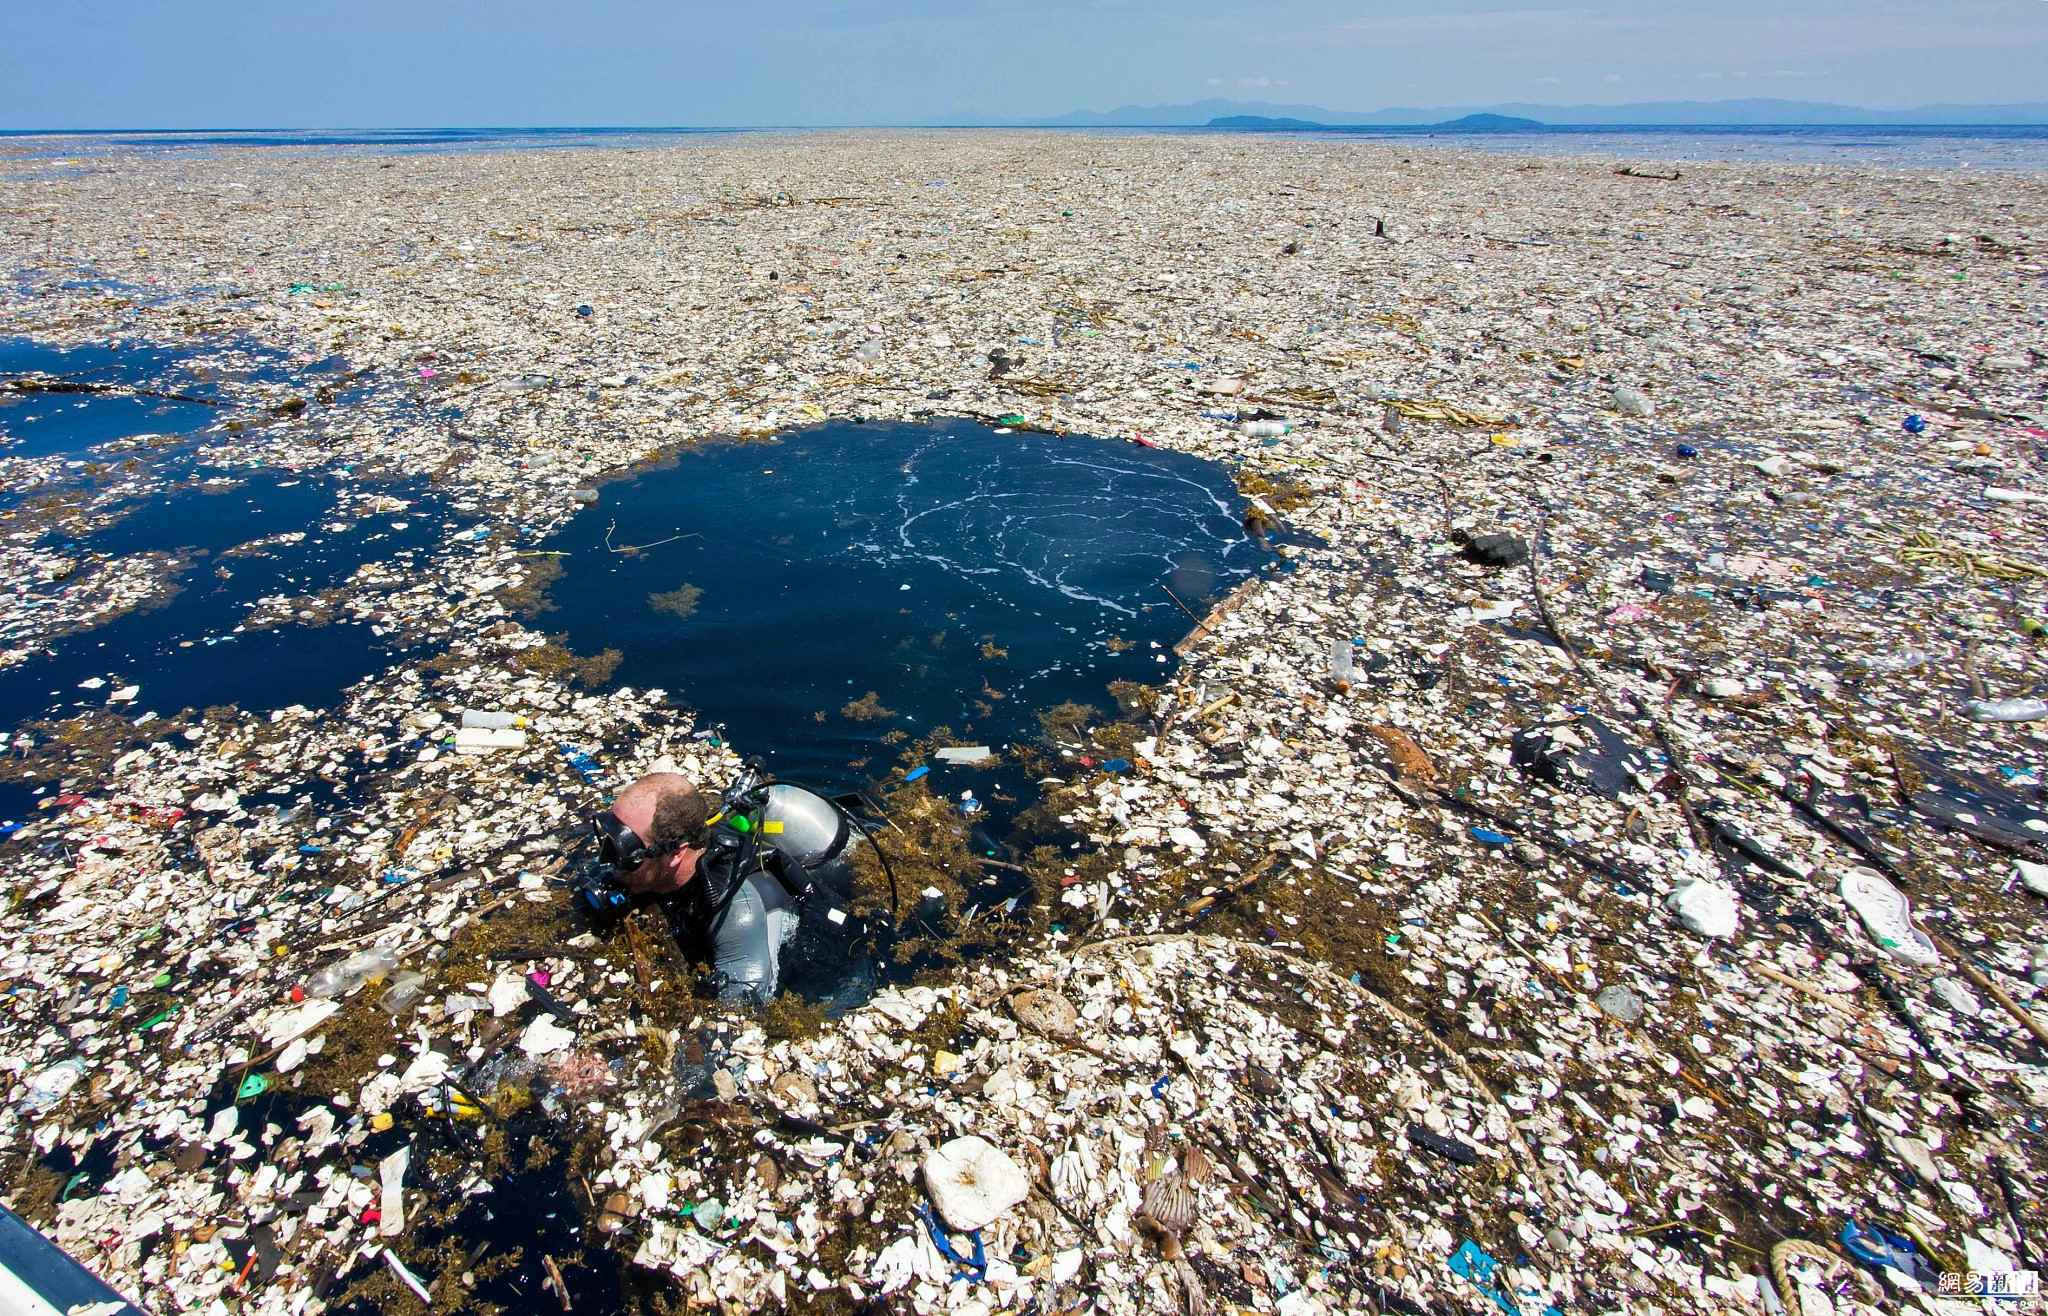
1486, 836
9, 828
1475, 1265
1472, 1263
1116, 765
1915, 424
120, 997
1687, 450
1159, 1088
585, 312
586, 766
309, 849
917, 773
975, 1268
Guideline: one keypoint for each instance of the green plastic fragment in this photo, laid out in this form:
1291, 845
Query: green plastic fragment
156, 1019
1011, 419
254, 1085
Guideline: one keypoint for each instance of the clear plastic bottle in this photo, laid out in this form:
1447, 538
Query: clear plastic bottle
1264, 429
1905, 660
345, 975
482, 720
1341, 669
2006, 710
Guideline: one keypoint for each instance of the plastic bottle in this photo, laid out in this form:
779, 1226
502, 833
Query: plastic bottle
345, 975
1264, 429
2005, 710
1903, 661
488, 721
478, 740
1341, 669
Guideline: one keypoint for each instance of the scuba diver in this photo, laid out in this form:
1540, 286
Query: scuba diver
740, 875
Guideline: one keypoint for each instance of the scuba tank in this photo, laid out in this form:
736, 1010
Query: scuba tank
812, 836
797, 836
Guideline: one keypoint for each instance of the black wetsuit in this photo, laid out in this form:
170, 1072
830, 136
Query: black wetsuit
743, 933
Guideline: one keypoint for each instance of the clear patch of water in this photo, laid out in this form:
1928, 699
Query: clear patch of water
846, 587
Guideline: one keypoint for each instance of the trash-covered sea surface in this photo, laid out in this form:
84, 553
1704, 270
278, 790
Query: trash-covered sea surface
840, 597
157, 536
1602, 869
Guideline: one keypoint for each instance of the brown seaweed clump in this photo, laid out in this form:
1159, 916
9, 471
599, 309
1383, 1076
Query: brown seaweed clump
679, 602
555, 659
532, 596
867, 708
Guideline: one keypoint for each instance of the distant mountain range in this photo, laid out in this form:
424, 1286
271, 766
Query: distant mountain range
1471, 123
1738, 113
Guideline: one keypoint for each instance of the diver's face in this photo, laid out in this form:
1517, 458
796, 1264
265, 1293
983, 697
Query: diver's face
654, 876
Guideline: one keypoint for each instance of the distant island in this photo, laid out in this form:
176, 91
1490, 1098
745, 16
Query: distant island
1489, 123
1264, 123
1471, 123
1635, 114
1261, 123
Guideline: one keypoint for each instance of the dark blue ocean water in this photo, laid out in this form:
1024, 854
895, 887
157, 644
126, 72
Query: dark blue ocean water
968, 578
188, 650
72, 424
1902, 146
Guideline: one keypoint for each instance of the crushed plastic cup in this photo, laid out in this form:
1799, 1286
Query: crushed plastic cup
50, 1086
403, 991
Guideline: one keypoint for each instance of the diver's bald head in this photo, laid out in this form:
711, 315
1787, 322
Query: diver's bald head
666, 811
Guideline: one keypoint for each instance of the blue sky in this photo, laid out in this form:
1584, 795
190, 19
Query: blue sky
435, 63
